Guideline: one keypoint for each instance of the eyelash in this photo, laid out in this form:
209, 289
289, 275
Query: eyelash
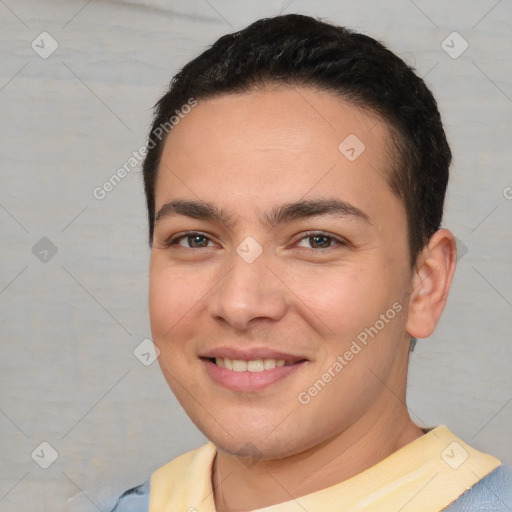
310, 234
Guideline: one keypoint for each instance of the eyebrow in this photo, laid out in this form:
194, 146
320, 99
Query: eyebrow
278, 215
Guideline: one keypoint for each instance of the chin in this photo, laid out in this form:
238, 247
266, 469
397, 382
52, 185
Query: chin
252, 441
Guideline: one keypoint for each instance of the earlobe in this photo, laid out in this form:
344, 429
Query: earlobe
431, 283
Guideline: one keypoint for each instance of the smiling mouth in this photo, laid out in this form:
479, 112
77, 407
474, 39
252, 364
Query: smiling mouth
253, 365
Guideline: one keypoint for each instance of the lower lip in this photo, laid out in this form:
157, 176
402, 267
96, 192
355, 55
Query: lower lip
248, 381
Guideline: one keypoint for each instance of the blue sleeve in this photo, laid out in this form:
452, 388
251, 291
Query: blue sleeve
491, 494
134, 500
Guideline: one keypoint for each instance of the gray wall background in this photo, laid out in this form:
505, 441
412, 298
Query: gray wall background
70, 321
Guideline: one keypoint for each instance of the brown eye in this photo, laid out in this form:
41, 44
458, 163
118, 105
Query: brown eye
320, 241
195, 241
190, 240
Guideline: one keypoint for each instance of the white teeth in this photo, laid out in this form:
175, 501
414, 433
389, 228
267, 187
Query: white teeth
269, 364
239, 365
253, 366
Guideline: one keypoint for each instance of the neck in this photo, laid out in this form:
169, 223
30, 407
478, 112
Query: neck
241, 487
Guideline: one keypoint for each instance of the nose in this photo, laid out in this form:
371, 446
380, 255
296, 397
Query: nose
247, 292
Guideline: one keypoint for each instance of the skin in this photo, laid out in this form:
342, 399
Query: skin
247, 153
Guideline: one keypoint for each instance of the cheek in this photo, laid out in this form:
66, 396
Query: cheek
173, 298
344, 299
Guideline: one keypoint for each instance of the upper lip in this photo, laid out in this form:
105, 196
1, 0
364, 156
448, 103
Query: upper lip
251, 354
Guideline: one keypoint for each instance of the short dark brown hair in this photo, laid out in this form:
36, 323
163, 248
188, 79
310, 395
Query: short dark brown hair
299, 50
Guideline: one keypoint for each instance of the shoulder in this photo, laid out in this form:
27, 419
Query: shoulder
491, 494
135, 499
184, 468
187, 464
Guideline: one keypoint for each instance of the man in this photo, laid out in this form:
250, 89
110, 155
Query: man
295, 180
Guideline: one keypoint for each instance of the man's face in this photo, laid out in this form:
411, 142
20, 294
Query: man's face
264, 283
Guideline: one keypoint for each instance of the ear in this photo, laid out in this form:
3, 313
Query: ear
431, 283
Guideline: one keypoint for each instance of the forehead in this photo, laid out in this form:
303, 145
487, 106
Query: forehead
275, 142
